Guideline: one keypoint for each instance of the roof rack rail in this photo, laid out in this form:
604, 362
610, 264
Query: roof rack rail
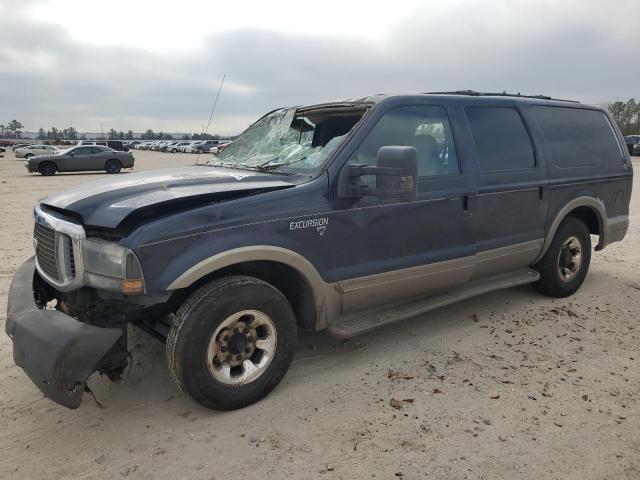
473, 93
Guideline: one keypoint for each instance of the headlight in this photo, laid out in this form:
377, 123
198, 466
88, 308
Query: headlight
112, 267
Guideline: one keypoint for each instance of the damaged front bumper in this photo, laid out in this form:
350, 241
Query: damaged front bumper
56, 351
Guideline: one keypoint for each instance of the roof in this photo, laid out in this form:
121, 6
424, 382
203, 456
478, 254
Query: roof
473, 93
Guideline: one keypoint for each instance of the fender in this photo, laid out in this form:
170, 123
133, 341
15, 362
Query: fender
326, 296
592, 202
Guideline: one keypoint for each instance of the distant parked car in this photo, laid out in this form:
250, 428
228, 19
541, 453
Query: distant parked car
118, 145
33, 150
193, 148
167, 146
205, 146
80, 159
636, 149
177, 147
632, 141
219, 148
20, 145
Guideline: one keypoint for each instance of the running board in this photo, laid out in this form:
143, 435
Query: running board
367, 320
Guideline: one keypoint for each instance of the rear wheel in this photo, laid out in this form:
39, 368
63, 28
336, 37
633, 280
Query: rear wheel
232, 342
113, 166
564, 267
28, 155
47, 168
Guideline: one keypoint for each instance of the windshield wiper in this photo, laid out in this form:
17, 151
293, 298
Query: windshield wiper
234, 166
268, 166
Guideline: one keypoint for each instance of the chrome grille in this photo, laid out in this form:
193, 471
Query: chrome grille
58, 245
45, 244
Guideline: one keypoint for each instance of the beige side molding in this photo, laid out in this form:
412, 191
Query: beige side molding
592, 202
326, 297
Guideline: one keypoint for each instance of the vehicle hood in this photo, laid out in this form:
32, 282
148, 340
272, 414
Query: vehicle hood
106, 203
43, 156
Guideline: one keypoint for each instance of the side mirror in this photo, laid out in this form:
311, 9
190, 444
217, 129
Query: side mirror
396, 176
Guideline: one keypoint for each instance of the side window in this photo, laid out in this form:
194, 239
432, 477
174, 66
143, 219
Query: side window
426, 128
81, 151
501, 139
94, 150
578, 137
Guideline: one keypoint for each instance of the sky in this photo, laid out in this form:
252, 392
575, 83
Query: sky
139, 64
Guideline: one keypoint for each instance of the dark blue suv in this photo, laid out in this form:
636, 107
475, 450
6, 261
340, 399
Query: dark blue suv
342, 216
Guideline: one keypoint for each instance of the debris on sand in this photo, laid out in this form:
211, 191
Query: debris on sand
398, 375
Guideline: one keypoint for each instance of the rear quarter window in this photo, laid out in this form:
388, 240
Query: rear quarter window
501, 139
578, 137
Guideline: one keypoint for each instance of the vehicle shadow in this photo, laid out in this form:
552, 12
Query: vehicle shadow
73, 174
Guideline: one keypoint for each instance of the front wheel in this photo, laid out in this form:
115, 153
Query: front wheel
47, 168
232, 342
564, 267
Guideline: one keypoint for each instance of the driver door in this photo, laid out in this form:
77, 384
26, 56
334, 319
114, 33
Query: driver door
74, 160
389, 251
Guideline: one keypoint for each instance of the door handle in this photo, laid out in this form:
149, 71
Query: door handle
542, 192
468, 202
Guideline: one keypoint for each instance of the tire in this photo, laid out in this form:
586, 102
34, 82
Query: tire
47, 169
557, 278
113, 166
193, 356
28, 155
173, 150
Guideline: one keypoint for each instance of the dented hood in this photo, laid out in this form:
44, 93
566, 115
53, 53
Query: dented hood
106, 203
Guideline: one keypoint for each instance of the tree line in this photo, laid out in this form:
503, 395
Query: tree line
627, 116
55, 134
151, 135
12, 129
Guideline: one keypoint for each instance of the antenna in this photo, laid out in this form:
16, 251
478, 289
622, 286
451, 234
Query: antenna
215, 102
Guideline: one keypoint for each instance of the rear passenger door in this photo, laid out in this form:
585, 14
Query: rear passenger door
97, 158
512, 199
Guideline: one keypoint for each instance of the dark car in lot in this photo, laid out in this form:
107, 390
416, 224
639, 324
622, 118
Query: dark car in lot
633, 144
84, 158
118, 145
205, 146
341, 216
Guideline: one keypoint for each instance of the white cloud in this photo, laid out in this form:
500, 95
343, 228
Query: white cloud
64, 62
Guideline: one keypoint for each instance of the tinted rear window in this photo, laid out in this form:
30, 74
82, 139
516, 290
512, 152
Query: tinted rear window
501, 139
578, 137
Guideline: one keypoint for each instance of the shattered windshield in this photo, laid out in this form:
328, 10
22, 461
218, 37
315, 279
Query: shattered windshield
290, 140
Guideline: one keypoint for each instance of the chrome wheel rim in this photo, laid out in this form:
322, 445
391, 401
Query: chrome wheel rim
241, 348
570, 259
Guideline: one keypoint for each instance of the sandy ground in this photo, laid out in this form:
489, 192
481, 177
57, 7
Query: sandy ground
508, 385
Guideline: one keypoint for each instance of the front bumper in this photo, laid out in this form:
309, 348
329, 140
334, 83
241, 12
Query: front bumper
56, 351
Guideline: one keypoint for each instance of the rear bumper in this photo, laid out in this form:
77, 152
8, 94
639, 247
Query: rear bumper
56, 351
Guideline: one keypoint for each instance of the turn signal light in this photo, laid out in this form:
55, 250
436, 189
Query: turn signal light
132, 286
